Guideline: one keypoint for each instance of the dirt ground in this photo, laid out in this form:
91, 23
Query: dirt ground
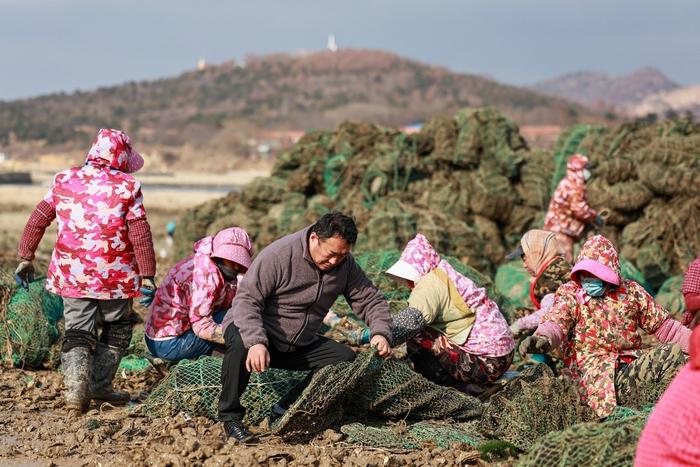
35, 431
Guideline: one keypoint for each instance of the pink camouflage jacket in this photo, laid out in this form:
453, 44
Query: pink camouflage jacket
193, 290
569, 211
104, 242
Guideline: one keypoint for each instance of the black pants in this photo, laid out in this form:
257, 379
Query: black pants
234, 376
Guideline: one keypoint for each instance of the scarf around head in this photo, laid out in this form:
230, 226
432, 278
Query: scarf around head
540, 247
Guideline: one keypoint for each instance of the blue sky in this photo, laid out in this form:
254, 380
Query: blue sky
63, 45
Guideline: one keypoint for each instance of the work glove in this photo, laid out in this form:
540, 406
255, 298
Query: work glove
357, 336
534, 344
599, 221
148, 290
24, 274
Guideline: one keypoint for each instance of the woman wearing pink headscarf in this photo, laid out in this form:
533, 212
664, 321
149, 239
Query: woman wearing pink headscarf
185, 319
455, 333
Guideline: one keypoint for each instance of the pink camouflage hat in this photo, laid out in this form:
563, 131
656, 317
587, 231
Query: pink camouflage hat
233, 244
114, 148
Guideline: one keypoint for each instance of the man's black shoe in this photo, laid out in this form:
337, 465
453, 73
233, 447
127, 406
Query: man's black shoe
238, 431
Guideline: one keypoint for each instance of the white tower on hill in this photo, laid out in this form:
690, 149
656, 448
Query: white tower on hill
332, 46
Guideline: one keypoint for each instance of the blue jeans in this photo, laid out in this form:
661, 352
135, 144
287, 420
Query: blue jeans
186, 345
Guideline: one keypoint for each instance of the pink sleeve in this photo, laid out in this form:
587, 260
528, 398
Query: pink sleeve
531, 321
206, 280
671, 331
551, 331
136, 209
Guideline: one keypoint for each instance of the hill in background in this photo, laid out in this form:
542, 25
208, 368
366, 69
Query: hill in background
206, 117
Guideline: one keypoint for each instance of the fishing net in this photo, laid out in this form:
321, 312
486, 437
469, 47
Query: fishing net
413, 436
194, 386
533, 404
369, 384
30, 325
670, 296
609, 444
513, 281
629, 271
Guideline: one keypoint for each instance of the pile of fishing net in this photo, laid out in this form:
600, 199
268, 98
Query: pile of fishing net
670, 296
612, 443
368, 385
647, 175
463, 181
30, 324
531, 405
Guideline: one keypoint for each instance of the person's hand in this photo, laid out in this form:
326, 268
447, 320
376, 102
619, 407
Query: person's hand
534, 344
258, 358
24, 274
148, 290
382, 345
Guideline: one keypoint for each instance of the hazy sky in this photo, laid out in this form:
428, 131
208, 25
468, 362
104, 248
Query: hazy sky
63, 45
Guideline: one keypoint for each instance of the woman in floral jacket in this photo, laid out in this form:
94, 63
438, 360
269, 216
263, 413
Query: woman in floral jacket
455, 333
185, 319
599, 315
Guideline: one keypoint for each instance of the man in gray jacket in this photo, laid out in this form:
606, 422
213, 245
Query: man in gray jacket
279, 308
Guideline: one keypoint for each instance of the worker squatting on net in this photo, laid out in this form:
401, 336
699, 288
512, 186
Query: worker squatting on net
455, 334
190, 304
543, 258
276, 316
598, 315
102, 256
569, 211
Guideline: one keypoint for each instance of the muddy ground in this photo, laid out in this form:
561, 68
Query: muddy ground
34, 430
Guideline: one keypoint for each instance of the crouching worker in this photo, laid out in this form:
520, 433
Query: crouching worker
455, 334
599, 315
103, 254
543, 258
691, 294
276, 315
189, 306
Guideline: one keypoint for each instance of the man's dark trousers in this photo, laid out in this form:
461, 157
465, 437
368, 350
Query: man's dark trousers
234, 376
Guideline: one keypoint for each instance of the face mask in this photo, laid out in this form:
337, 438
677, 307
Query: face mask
228, 273
586, 174
593, 286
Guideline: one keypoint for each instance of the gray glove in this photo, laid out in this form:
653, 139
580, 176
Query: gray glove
24, 274
534, 344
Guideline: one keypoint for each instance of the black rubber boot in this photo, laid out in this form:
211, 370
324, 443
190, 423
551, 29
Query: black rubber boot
77, 363
105, 366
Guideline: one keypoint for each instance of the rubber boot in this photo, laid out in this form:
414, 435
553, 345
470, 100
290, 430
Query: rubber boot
105, 367
77, 363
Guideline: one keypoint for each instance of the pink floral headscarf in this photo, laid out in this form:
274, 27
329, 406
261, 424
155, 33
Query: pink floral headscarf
420, 254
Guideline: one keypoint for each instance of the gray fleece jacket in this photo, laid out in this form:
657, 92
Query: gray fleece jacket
284, 297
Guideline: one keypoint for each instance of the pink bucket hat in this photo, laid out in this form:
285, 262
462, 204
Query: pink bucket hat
114, 148
233, 244
598, 257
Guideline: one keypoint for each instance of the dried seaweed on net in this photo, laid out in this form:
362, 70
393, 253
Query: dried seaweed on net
670, 180
370, 385
626, 196
670, 296
531, 405
400, 435
608, 444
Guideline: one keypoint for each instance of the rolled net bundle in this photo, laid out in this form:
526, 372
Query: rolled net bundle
531, 405
413, 436
30, 327
609, 444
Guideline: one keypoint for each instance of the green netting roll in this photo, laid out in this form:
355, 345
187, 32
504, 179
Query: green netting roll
30, 325
413, 436
670, 296
629, 271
